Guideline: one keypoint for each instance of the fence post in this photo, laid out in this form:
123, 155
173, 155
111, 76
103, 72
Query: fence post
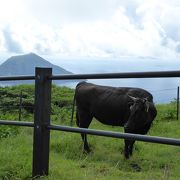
41, 120
178, 103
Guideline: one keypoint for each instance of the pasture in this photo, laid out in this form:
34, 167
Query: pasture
67, 160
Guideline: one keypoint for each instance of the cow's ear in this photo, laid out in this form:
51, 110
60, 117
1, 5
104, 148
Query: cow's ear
147, 106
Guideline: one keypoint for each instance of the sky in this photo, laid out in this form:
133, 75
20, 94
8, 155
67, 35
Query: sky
91, 28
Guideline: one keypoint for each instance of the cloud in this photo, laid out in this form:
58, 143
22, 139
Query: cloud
103, 28
10, 43
178, 48
68, 11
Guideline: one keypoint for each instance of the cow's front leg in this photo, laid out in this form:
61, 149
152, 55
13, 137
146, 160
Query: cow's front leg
131, 143
126, 149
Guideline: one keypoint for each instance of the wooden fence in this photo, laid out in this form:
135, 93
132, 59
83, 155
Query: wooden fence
42, 126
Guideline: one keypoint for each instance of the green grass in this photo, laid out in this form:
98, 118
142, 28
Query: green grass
67, 161
105, 162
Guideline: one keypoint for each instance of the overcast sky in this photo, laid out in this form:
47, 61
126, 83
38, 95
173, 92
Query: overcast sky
91, 28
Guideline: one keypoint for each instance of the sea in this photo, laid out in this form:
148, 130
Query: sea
164, 90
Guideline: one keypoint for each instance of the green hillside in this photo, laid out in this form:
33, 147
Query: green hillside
67, 160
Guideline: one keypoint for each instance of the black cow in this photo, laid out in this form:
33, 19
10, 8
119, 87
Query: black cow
132, 108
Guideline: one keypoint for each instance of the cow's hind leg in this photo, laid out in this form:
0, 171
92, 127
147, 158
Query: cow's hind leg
83, 120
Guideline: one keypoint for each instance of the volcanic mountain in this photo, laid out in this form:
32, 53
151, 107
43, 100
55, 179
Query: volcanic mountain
25, 65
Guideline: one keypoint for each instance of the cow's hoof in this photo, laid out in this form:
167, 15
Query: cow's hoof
127, 156
86, 151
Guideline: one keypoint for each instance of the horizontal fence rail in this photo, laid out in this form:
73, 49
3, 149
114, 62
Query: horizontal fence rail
151, 74
129, 136
157, 74
16, 78
16, 123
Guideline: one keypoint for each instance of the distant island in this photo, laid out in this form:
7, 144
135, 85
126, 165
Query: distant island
25, 65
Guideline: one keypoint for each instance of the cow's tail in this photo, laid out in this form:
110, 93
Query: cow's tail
73, 107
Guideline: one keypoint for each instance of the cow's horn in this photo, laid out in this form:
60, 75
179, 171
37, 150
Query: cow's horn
146, 98
133, 98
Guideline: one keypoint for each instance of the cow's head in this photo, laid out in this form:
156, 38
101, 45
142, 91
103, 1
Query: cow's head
139, 119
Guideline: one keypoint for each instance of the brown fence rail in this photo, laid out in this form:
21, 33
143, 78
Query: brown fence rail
42, 126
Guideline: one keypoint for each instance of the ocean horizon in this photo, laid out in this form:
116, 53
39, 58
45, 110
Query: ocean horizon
164, 90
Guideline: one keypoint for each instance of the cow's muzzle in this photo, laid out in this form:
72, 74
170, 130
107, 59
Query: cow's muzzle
128, 129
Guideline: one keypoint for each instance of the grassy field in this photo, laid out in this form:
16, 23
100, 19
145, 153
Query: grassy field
67, 160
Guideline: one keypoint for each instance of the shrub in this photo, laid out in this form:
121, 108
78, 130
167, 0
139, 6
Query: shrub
8, 131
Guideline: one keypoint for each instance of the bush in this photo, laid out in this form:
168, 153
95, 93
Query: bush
170, 114
8, 131
167, 113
